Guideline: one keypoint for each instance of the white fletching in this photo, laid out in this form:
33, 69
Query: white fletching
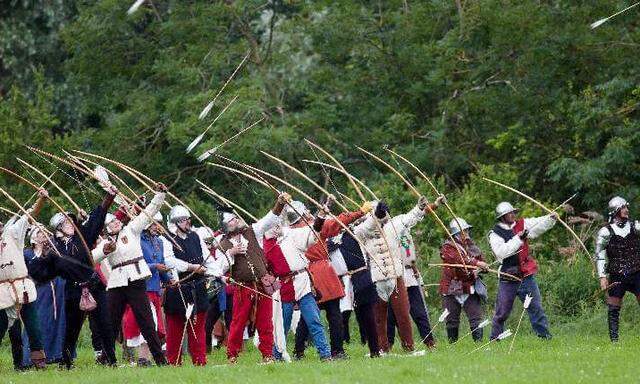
505, 334
527, 301
444, 315
195, 142
135, 7
189, 311
599, 23
206, 111
207, 154
484, 323
101, 174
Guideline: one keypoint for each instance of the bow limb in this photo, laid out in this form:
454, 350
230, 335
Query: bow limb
50, 180
301, 174
26, 212
58, 206
344, 172
447, 265
435, 190
90, 173
330, 156
319, 206
216, 195
539, 204
415, 191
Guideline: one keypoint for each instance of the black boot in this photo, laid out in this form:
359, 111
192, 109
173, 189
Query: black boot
613, 316
452, 334
477, 334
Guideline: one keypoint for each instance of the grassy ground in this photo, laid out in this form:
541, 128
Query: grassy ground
571, 356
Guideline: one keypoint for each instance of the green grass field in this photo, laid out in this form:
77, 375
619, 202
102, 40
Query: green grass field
574, 355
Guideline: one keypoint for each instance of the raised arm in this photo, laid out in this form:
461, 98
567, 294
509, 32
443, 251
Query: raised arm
272, 218
91, 229
145, 218
539, 225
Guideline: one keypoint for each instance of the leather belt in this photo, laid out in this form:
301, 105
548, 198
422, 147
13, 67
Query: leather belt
130, 262
353, 272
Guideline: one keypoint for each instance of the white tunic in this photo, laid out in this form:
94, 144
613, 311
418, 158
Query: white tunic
128, 248
386, 261
13, 270
294, 243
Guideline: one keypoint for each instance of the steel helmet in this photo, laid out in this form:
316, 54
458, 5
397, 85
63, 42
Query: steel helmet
178, 212
503, 208
458, 225
293, 211
616, 203
57, 219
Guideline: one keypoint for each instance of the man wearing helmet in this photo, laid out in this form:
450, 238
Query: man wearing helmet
17, 291
509, 243
241, 246
81, 279
618, 260
129, 271
186, 304
458, 284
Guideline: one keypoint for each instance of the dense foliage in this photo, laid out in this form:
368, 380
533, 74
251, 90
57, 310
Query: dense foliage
522, 91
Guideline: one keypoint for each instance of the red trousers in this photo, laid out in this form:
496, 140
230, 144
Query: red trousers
197, 343
244, 302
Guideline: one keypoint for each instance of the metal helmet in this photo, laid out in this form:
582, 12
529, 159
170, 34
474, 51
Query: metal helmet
503, 208
458, 225
34, 233
178, 212
57, 219
616, 203
293, 212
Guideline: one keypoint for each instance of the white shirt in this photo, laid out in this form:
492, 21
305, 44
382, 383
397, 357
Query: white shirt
128, 248
503, 249
602, 240
294, 243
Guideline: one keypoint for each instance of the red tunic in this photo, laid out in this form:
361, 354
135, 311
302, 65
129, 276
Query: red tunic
454, 280
327, 284
278, 265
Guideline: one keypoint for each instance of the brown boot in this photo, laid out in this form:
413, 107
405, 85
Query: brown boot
39, 359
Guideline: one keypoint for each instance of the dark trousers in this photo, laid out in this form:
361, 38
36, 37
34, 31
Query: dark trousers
135, 294
366, 317
418, 312
472, 308
75, 318
334, 318
28, 317
346, 334
213, 315
507, 293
